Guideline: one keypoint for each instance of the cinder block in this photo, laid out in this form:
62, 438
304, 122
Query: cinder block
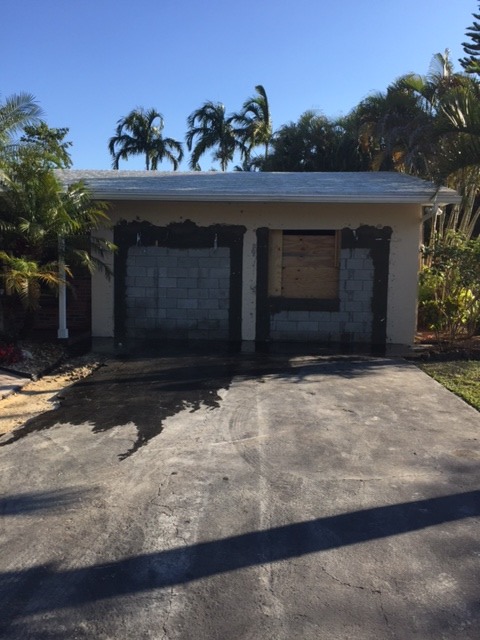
198, 294
223, 294
187, 303
161, 314
168, 282
177, 293
135, 292
177, 314
363, 274
209, 283
285, 327
209, 303
177, 272
218, 273
186, 283
188, 261
136, 271
353, 327
167, 303
362, 296
217, 314
353, 285
307, 326
144, 281
223, 303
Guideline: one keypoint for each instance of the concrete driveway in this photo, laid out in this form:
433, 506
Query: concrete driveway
244, 497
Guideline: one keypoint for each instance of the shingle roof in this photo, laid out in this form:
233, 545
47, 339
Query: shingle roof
366, 187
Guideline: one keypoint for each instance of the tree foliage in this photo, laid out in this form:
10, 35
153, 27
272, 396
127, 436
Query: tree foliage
209, 128
253, 124
36, 209
140, 133
471, 62
450, 287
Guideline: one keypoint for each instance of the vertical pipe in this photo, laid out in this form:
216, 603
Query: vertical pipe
62, 333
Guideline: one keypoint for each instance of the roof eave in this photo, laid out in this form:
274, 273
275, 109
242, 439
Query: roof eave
421, 200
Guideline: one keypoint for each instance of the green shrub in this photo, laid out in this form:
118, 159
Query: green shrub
449, 295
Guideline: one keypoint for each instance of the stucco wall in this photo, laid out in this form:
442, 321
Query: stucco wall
405, 221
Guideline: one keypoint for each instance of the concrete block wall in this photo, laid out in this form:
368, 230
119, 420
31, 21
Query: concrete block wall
352, 322
178, 293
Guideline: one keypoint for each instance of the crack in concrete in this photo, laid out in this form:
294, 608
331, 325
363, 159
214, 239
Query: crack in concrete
352, 586
167, 614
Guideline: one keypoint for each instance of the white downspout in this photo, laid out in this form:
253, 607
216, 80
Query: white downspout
62, 333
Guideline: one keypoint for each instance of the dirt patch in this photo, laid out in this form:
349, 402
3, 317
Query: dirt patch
432, 348
44, 394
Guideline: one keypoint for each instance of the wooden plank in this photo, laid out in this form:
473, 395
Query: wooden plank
275, 251
327, 260
310, 282
307, 245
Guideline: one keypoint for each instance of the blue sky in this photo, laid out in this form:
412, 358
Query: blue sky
89, 62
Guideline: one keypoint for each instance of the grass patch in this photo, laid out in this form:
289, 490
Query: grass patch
460, 376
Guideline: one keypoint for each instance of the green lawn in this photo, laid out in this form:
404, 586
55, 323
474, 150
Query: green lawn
460, 376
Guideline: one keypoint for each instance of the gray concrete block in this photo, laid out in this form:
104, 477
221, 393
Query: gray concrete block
187, 303
168, 282
363, 274
362, 295
156, 313
308, 326
218, 273
177, 293
177, 272
176, 313
136, 271
135, 292
198, 294
186, 283
145, 281
209, 303
188, 261
285, 327
353, 327
167, 303
210, 284
353, 285
217, 314
223, 303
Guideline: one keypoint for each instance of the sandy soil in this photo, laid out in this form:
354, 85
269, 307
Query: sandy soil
42, 395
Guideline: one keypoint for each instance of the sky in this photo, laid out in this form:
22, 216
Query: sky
90, 62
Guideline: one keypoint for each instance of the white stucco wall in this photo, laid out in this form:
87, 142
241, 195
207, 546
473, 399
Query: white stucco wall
405, 221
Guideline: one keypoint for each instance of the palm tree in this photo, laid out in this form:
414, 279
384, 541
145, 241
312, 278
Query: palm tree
254, 123
140, 133
310, 144
209, 128
36, 210
16, 112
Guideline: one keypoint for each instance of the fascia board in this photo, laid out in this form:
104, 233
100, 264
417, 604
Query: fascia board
421, 200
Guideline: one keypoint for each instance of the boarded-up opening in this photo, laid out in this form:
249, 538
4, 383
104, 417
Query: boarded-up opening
304, 264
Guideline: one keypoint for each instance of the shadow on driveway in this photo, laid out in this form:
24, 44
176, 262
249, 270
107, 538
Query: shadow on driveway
70, 588
148, 387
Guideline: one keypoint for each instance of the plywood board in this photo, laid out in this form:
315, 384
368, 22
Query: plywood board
275, 252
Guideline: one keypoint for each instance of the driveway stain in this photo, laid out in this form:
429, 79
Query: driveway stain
146, 388
145, 391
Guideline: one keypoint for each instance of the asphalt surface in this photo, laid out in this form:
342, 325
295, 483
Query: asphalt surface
244, 496
11, 382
